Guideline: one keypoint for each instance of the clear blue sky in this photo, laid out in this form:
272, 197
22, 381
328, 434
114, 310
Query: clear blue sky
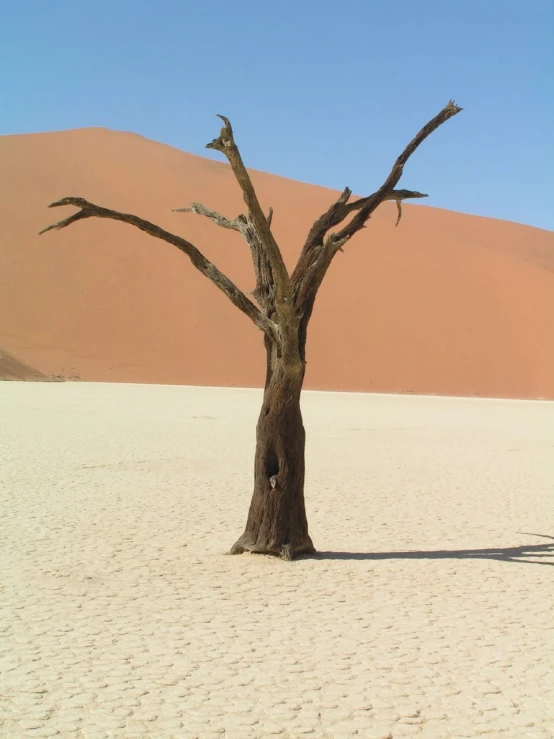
320, 91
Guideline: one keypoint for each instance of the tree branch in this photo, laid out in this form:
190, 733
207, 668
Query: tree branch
366, 206
341, 209
320, 246
263, 292
225, 143
213, 215
401, 195
203, 265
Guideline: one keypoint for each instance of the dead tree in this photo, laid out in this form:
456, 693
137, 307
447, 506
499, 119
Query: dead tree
276, 521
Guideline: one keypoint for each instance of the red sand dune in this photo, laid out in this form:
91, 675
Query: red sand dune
12, 368
444, 304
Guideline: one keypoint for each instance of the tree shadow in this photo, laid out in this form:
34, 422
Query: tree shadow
544, 553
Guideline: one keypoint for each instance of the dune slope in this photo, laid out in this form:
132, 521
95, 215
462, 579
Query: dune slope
12, 368
445, 304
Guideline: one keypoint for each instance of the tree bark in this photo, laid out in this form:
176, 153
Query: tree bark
277, 522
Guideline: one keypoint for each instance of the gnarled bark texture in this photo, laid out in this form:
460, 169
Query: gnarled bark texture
277, 522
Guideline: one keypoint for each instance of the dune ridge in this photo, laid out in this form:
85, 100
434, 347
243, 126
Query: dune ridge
446, 304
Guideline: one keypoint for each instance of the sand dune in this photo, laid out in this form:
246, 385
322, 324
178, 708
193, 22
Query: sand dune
12, 368
445, 304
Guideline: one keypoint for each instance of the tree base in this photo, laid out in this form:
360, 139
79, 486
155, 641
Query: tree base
287, 552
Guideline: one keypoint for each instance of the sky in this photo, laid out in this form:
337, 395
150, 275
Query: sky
320, 91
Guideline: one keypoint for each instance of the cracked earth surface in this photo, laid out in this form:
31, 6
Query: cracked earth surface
428, 612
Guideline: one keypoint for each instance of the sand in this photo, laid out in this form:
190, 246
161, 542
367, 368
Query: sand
428, 612
446, 304
12, 368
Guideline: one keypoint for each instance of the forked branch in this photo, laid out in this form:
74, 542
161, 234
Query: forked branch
203, 265
366, 206
399, 196
264, 289
225, 143
321, 247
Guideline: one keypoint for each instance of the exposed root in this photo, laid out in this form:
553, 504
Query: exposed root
287, 552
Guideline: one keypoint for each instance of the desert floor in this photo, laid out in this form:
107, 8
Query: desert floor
428, 612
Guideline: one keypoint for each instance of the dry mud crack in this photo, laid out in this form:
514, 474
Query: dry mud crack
427, 613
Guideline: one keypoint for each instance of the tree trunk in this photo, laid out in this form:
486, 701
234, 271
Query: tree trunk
277, 522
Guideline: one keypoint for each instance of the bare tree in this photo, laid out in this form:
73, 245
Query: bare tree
277, 521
